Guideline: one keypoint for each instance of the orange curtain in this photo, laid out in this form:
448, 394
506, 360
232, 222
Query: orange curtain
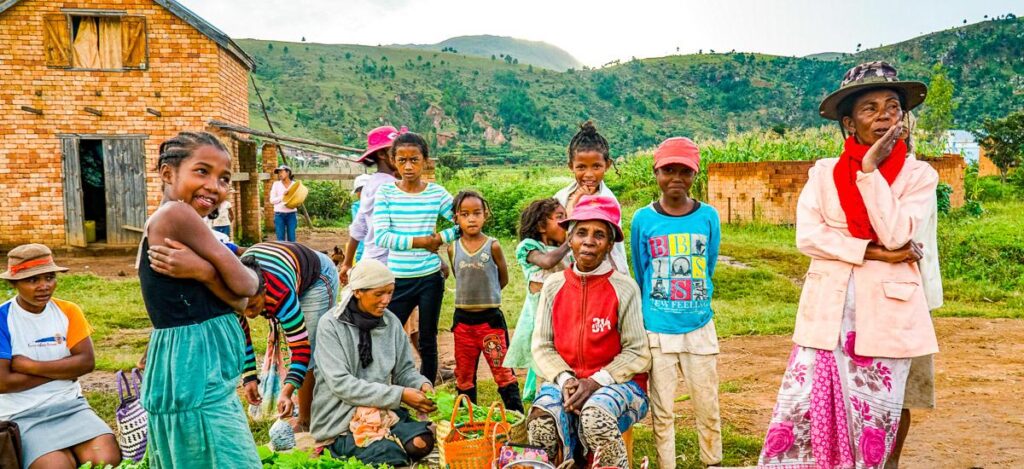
85, 47
110, 43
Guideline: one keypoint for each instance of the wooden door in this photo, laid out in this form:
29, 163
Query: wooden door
124, 168
74, 212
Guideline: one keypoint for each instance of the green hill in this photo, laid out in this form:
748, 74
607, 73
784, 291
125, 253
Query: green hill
338, 92
536, 53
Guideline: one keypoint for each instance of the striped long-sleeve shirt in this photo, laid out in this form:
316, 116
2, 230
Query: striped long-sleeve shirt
399, 216
289, 269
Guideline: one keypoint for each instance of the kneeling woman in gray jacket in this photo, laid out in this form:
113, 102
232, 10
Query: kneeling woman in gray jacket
365, 373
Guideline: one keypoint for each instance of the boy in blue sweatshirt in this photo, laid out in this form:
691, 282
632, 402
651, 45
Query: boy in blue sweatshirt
675, 248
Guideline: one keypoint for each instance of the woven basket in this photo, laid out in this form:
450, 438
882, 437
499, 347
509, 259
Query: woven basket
517, 433
295, 195
459, 449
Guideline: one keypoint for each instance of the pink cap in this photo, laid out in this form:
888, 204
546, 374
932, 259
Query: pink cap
380, 138
677, 150
597, 207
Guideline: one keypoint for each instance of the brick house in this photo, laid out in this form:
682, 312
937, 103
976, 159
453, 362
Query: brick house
88, 90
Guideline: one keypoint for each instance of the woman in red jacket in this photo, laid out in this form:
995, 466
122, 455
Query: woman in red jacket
590, 345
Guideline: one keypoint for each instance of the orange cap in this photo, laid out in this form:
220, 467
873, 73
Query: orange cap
677, 150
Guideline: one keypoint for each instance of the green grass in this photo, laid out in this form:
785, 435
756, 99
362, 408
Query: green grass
982, 262
982, 266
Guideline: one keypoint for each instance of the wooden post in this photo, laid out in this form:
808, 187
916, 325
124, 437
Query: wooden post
270, 124
249, 194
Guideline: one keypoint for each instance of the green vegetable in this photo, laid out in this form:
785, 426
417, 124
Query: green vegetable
445, 402
126, 464
303, 460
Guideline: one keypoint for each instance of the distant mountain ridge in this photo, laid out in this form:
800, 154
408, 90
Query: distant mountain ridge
536, 53
511, 112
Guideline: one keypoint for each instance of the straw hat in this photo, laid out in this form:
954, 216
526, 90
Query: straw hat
877, 74
29, 260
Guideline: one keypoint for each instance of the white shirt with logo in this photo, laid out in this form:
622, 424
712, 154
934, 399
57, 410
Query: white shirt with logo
47, 336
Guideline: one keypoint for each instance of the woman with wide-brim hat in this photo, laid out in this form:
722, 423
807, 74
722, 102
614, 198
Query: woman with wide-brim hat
45, 347
863, 313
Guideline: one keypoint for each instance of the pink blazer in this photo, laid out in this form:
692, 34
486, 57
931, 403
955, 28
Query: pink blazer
892, 314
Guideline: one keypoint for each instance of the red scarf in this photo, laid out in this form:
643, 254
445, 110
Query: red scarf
845, 176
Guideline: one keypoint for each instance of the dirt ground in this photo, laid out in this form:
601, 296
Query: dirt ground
321, 239
978, 421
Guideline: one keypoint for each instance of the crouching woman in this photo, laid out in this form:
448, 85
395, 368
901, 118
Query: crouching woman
365, 373
590, 346
44, 349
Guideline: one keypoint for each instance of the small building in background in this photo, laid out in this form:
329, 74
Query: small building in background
963, 143
88, 91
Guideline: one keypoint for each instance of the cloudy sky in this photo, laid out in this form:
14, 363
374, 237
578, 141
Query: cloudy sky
598, 31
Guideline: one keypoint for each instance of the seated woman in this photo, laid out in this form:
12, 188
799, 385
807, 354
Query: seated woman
590, 346
365, 372
44, 348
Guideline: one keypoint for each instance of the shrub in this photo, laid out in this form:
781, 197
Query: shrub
507, 193
986, 189
942, 193
327, 200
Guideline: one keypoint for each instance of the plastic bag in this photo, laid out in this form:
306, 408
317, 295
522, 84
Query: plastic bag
270, 377
282, 437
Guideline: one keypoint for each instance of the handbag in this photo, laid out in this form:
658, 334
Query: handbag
131, 418
513, 454
270, 377
10, 444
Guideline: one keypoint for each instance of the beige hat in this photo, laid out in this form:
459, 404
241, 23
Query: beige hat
29, 260
365, 275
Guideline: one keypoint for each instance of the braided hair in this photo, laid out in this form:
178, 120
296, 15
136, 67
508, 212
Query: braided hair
410, 139
534, 216
175, 150
254, 265
587, 139
468, 194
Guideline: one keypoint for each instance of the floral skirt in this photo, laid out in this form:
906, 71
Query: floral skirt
836, 409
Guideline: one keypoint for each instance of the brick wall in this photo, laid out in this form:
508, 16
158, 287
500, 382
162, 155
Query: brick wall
189, 80
951, 170
768, 191
985, 165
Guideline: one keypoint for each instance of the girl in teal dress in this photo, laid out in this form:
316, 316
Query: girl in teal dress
191, 286
542, 251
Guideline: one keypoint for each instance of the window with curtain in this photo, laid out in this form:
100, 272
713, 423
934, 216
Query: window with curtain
104, 42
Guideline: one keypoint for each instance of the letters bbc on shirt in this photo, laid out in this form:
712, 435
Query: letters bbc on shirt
679, 270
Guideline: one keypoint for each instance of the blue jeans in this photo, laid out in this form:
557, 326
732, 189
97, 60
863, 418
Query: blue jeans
321, 296
226, 229
284, 225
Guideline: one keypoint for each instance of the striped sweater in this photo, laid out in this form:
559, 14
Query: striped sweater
399, 216
289, 269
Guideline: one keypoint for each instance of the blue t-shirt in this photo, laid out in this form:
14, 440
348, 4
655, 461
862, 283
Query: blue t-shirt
674, 259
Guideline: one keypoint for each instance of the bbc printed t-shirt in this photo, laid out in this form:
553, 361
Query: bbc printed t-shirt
47, 336
674, 259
